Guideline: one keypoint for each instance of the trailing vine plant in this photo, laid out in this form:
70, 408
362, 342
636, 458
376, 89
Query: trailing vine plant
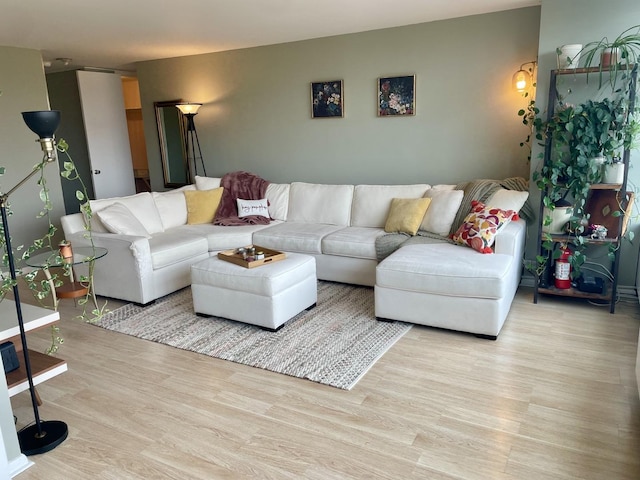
41, 289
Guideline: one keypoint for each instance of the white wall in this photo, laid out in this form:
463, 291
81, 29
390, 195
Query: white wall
256, 112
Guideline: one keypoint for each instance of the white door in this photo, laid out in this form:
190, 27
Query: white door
105, 123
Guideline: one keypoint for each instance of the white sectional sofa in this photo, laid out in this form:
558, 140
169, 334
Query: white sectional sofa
443, 285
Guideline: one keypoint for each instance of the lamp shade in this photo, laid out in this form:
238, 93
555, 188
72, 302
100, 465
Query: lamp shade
43, 123
189, 108
521, 80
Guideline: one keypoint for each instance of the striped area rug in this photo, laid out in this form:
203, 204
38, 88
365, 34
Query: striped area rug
334, 344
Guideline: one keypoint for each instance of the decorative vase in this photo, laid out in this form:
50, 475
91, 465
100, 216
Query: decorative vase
613, 173
569, 55
560, 216
598, 161
66, 252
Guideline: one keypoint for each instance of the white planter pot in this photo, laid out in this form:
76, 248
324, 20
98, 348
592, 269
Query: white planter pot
559, 218
569, 55
613, 173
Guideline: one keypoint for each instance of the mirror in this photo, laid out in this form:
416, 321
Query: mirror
171, 134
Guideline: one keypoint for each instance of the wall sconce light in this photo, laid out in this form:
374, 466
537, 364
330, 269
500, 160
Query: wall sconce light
190, 110
522, 80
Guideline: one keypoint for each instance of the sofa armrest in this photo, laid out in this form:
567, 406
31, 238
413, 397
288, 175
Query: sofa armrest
126, 271
510, 239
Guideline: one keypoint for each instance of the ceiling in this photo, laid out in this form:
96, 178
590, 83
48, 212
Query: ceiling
115, 34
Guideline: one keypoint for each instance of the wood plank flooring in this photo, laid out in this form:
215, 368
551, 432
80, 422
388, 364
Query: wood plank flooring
553, 398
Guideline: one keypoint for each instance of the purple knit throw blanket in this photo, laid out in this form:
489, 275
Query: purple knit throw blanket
246, 186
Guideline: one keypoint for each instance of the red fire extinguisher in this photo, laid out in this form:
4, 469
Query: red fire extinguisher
563, 269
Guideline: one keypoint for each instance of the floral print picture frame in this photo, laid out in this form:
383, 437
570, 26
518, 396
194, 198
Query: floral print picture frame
327, 99
396, 96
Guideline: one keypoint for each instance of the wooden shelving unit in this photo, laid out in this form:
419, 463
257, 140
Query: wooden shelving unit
43, 367
603, 200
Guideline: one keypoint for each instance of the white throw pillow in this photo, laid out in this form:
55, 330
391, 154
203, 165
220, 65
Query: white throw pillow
507, 199
141, 205
442, 210
117, 218
252, 207
207, 183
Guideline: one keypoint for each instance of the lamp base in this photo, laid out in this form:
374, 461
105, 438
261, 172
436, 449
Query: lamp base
54, 432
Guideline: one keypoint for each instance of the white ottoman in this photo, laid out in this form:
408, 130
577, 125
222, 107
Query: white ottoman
266, 296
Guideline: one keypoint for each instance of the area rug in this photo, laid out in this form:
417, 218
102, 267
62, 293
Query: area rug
335, 343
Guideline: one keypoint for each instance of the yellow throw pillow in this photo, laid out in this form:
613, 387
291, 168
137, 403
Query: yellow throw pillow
202, 205
406, 214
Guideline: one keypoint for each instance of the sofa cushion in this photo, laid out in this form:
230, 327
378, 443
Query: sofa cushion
446, 269
317, 203
172, 206
406, 214
117, 218
278, 197
371, 203
174, 246
294, 237
442, 210
481, 226
202, 205
224, 238
207, 183
357, 242
141, 206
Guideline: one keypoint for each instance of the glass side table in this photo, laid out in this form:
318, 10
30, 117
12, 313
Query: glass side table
73, 289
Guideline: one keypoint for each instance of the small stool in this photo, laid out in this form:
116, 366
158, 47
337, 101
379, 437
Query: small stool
266, 296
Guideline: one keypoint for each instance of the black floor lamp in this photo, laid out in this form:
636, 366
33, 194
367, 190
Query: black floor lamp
191, 141
42, 436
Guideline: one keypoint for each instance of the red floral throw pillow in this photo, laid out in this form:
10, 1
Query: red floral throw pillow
481, 226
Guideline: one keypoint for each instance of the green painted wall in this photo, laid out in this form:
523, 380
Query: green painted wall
257, 116
23, 86
582, 21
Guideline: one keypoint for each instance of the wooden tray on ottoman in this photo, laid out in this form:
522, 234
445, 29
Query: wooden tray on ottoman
270, 256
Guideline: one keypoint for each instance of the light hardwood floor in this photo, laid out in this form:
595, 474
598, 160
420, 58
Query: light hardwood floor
554, 397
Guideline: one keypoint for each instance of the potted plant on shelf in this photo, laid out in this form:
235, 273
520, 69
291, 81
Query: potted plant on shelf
578, 135
614, 56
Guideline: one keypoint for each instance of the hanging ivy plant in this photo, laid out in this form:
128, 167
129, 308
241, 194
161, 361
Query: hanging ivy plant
41, 289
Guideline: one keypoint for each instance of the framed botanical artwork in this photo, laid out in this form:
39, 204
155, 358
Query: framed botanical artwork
396, 96
327, 100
